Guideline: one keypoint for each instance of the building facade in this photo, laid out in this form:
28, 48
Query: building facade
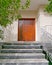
43, 25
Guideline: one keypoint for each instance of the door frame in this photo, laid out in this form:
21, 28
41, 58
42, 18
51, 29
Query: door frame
26, 19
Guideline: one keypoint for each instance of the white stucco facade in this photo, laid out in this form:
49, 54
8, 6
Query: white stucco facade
11, 32
44, 24
42, 21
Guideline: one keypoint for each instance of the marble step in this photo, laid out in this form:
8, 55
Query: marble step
21, 46
23, 62
21, 43
22, 56
21, 50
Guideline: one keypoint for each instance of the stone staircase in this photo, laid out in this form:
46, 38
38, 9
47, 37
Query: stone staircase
22, 54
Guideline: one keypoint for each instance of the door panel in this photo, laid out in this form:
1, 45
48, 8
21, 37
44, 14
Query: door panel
26, 30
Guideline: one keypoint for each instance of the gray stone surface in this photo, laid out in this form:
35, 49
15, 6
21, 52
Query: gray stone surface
24, 64
0, 63
22, 43
10, 64
28, 53
23, 61
22, 56
22, 46
21, 50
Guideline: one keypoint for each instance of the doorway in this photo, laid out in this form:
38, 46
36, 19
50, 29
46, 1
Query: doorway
26, 29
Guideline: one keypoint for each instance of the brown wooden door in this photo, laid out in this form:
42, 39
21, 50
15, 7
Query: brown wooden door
26, 30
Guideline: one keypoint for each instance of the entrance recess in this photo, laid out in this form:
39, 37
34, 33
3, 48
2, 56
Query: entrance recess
26, 30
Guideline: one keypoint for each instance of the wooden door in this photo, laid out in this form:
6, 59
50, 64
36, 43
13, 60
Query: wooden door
26, 30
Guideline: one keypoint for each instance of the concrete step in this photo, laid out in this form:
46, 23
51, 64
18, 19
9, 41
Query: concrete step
22, 56
21, 50
21, 46
23, 62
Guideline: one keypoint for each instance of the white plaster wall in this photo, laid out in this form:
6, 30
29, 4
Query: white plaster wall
14, 31
28, 13
11, 32
42, 20
45, 19
45, 22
